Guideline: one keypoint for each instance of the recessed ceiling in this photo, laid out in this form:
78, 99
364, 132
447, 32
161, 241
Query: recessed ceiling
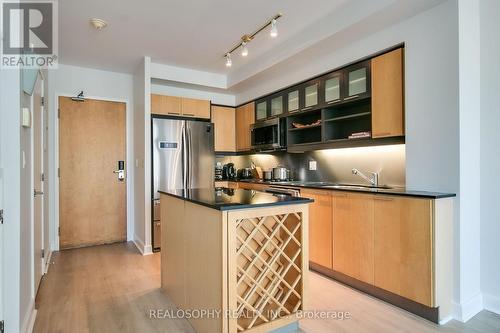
193, 34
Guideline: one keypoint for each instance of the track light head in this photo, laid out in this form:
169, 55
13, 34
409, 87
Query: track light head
274, 30
244, 49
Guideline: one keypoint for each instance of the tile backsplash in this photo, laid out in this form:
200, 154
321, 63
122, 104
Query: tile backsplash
334, 165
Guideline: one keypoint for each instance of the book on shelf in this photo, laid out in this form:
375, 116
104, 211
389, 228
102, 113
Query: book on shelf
359, 135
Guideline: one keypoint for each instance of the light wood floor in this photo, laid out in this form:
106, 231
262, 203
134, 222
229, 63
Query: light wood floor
111, 288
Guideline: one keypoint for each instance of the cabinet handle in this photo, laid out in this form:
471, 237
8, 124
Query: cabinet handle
333, 101
383, 198
176, 113
189, 114
350, 97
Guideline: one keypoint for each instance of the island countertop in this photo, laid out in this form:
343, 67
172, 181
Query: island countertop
229, 199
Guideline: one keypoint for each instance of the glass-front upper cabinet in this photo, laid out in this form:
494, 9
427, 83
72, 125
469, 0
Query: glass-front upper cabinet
357, 81
261, 110
276, 105
331, 85
293, 104
310, 91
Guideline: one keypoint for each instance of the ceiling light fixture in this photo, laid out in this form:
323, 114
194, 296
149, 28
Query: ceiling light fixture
98, 23
247, 38
244, 49
274, 30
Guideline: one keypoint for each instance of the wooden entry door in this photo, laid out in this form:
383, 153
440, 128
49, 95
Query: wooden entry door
92, 200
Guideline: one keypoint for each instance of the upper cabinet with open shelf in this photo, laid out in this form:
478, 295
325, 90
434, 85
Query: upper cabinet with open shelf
362, 101
345, 85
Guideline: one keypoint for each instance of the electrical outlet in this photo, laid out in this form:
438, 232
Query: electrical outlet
313, 165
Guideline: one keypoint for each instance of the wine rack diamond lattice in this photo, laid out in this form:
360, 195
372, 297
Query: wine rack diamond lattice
269, 269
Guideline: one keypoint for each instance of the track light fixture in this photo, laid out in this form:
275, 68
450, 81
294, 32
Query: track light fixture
244, 49
247, 38
274, 30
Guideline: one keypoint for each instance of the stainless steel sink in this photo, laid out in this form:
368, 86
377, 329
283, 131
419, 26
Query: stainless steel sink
358, 187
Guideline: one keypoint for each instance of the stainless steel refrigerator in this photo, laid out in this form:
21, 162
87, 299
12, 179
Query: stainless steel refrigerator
183, 158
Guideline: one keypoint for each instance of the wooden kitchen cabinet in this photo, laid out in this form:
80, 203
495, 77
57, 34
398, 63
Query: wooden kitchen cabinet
387, 95
224, 120
252, 186
179, 106
320, 227
165, 105
245, 117
353, 235
403, 247
196, 108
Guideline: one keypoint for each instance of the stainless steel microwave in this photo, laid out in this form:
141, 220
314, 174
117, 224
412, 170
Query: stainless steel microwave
269, 135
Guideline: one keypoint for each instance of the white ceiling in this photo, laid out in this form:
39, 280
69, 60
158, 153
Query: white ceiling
193, 34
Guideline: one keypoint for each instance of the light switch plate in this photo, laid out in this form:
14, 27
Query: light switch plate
313, 165
26, 117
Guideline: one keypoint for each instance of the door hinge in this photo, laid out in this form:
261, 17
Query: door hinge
43, 101
59, 231
1, 326
1, 216
58, 113
43, 177
43, 253
58, 172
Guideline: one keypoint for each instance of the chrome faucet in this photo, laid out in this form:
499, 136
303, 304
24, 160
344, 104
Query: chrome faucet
373, 180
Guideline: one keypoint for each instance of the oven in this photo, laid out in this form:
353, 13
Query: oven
269, 135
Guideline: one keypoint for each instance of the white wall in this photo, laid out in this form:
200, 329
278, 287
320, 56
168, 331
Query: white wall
470, 301
27, 298
431, 102
69, 81
10, 127
161, 79
490, 156
142, 132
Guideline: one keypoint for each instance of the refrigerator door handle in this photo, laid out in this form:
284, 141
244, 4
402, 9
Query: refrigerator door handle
189, 157
184, 157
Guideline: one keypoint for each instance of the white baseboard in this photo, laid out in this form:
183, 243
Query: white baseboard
445, 320
47, 263
465, 311
145, 250
29, 321
491, 303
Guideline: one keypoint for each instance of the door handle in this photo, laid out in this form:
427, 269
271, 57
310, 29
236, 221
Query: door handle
35, 193
120, 171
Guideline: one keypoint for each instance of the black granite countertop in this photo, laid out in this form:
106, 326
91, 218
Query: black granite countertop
354, 188
228, 199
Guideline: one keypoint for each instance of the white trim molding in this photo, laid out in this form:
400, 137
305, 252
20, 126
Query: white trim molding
29, 321
466, 310
491, 303
144, 249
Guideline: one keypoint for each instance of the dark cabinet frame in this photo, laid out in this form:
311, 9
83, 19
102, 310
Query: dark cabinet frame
302, 95
345, 94
324, 78
266, 100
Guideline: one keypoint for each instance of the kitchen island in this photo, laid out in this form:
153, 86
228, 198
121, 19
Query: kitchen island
235, 260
